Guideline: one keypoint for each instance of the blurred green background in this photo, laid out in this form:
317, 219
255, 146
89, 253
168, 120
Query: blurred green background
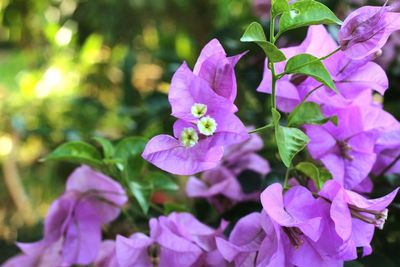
74, 69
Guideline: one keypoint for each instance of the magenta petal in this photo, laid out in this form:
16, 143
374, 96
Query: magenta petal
132, 251
335, 165
245, 239
213, 47
107, 194
230, 130
321, 141
83, 236
21, 260
187, 89
371, 204
273, 203
340, 214
164, 151
180, 125
367, 29
59, 217
175, 250
369, 76
107, 255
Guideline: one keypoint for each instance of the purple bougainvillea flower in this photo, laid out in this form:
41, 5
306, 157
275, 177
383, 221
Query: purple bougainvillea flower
192, 100
388, 150
74, 220
354, 216
38, 254
348, 150
244, 241
206, 124
301, 228
218, 70
295, 230
177, 240
220, 185
366, 30
351, 77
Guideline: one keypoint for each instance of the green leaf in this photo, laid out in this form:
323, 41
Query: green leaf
161, 181
108, 148
309, 65
279, 6
142, 192
324, 175
290, 141
311, 171
255, 34
308, 113
129, 151
76, 152
305, 13
318, 175
171, 207
130, 146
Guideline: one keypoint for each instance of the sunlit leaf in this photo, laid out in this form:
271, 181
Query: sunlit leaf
142, 193
290, 141
309, 65
318, 175
308, 113
76, 152
255, 33
279, 6
129, 150
162, 181
305, 13
108, 148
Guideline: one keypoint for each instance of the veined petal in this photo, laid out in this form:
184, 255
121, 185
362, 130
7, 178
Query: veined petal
164, 151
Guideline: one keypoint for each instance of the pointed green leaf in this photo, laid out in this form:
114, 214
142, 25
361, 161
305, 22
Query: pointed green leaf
76, 152
305, 13
129, 151
255, 34
161, 181
108, 148
318, 174
308, 113
290, 141
171, 207
310, 170
142, 193
309, 65
130, 146
279, 6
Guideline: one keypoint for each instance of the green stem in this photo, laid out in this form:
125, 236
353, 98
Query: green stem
285, 183
274, 79
271, 64
262, 128
308, 63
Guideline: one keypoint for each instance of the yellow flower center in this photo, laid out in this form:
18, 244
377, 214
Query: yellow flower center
189, 137
199, 110
207, 126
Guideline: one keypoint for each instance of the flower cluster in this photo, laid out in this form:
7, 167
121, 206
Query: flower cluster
307, 221
72, 229
203, 102
305, 228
